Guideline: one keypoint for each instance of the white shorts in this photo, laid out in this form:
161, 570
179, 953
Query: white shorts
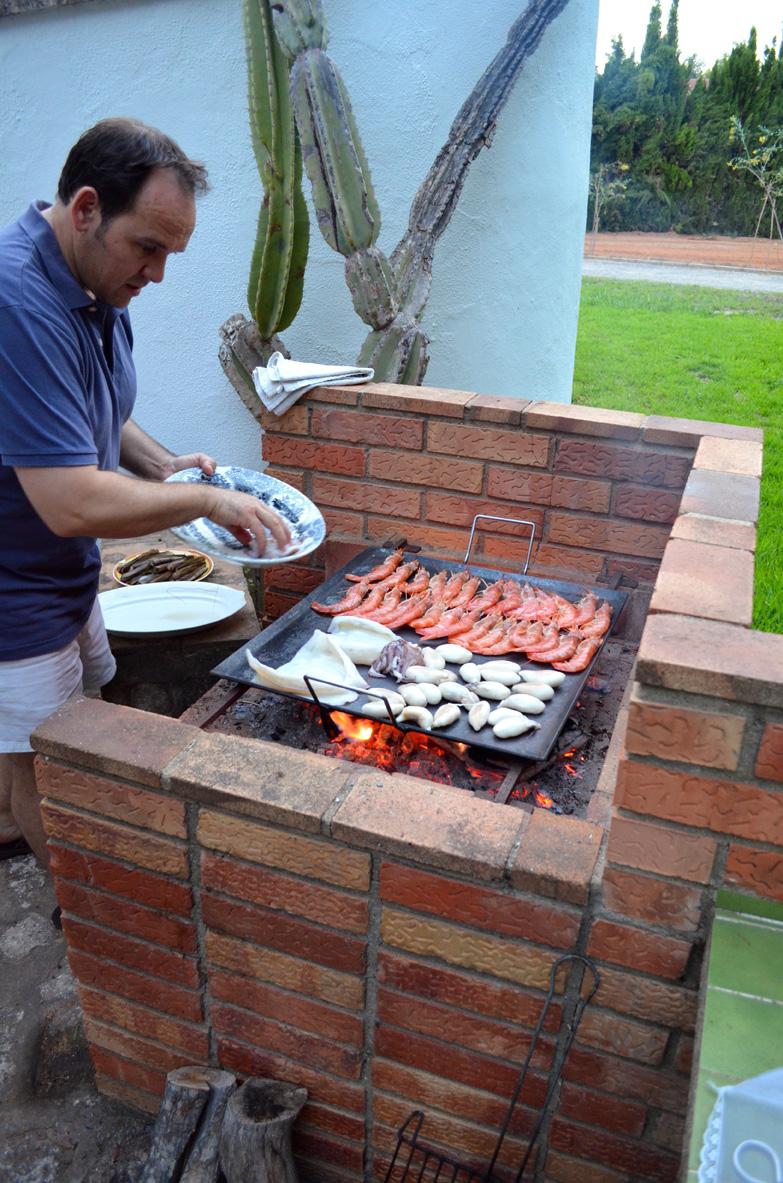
34, 688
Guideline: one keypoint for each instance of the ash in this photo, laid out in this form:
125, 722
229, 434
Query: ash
564, 782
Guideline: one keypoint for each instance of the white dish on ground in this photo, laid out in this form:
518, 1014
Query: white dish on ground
304, 519
153, 609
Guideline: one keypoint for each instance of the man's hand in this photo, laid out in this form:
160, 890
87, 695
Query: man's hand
248, 519
201, 460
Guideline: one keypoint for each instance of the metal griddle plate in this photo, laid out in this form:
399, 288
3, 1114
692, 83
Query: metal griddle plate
279, 642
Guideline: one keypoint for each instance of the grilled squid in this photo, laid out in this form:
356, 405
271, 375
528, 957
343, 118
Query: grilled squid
395, 659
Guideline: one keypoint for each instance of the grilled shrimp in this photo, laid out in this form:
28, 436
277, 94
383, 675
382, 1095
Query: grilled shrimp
437, 584
432, 615
479, 629
419, 583
470, 615
548, 639
467, 592
490, 596
526, 633
383, 569
388, 606
585, 652
564, 650
445, 625
348, 603
585, 610
511, 598
372, 601
409, 612
600, 622
454, 586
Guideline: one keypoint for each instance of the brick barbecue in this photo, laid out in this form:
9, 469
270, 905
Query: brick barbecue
386, 941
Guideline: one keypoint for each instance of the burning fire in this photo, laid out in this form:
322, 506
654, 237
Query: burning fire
382, 746
385, 747
353, 728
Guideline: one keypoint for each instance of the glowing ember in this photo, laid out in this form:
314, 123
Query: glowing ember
385, 747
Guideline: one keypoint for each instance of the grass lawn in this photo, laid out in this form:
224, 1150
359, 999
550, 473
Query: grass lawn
696, 353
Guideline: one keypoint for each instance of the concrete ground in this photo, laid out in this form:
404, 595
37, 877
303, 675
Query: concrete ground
54, 1127
736, 278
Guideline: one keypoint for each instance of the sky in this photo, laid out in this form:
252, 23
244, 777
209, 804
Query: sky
707, 28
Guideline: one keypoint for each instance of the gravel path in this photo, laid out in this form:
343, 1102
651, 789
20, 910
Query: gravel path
710, 277
55, 1127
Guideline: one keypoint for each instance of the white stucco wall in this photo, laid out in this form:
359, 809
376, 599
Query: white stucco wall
503, 310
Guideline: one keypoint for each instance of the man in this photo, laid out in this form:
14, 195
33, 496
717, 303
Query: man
125, 202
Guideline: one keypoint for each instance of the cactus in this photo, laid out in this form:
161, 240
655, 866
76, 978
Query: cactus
388, 294
345, 205
277, 268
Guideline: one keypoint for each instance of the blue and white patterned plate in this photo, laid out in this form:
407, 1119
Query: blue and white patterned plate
305, 521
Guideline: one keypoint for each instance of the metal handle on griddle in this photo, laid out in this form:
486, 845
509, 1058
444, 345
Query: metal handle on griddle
330, 727
488, 517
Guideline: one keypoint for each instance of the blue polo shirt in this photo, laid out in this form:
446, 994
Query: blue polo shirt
67, 386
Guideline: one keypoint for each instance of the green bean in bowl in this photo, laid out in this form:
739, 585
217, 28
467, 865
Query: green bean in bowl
162, 566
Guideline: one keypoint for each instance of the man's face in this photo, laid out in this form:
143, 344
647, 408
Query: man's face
115, 260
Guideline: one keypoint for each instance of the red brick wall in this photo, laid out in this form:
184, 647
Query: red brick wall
382, 941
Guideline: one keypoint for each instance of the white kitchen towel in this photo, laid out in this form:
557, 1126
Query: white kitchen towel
283, 381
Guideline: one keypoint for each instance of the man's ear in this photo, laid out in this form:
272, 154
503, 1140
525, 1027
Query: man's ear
85, 209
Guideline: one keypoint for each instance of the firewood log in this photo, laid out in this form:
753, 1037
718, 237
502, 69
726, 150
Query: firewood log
202, 1164
185, 1097
255, 1142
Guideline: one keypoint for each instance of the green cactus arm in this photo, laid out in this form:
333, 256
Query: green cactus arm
300, 24
299, 248
397, 353
261, 92
345, 205
277, 267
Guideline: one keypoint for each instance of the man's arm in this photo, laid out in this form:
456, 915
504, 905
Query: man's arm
145, 457
86, 501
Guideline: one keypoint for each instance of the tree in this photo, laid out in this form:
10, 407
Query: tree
667, 118
761, 156
607, 182
652, 37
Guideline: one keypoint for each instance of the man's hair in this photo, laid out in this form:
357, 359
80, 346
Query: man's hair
116, 156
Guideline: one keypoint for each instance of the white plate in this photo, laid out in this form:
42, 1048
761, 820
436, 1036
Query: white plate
304, 519
155, 608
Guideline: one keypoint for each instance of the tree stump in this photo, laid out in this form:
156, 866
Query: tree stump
255, 1143
186, 1096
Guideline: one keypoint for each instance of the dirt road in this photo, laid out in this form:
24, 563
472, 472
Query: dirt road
758, 254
